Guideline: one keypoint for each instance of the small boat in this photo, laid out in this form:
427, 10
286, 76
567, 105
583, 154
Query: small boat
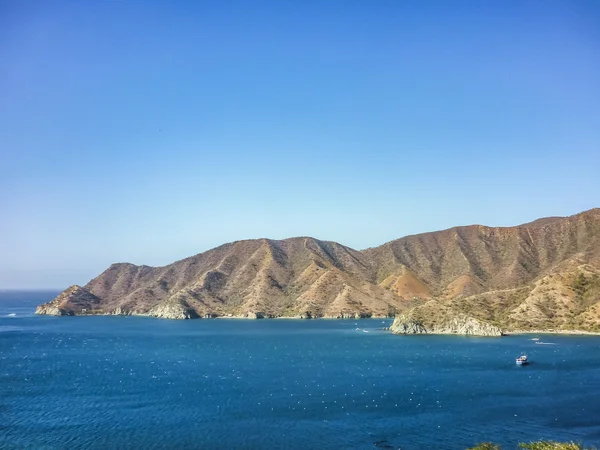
522, 360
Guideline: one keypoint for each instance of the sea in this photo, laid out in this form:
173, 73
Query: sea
108, 382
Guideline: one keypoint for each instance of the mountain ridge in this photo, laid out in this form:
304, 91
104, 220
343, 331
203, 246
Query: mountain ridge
307, 277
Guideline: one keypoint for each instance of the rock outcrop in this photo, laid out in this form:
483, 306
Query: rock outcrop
349, 315
404, 325
73, 301
255, 315
446, 322
172, 310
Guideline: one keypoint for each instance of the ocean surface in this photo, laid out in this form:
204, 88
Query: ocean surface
136, 382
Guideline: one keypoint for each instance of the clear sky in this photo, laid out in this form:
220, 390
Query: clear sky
148, 131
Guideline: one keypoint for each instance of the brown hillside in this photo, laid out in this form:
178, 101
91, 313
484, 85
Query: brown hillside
497, 258
539, 274
292, 277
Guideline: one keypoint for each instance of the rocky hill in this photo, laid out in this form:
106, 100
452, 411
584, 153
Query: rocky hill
544, 274
298, 277
437, 318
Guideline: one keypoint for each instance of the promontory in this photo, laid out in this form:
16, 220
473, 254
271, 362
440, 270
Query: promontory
543, 275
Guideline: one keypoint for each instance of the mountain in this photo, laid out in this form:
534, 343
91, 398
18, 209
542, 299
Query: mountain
544, 274
293, 277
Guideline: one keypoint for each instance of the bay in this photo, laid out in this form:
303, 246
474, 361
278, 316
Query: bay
136, 382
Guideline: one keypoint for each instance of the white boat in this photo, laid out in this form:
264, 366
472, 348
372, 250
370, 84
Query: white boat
522, 360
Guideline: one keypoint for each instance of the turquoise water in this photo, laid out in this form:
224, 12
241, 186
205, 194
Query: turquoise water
135, 382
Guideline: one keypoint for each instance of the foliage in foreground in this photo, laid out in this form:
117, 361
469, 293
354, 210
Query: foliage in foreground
539, 445
485, 446
551, 445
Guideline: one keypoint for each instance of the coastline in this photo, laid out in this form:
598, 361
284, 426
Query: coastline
376, 317
565, 332
217, 317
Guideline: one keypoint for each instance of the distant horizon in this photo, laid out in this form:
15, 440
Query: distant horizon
3, 290
149, 131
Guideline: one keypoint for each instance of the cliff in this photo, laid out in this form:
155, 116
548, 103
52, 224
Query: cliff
434, 318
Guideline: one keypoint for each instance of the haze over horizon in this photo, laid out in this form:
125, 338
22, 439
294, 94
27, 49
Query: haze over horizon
149, 132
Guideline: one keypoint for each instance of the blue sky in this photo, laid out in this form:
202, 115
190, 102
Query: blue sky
151, 131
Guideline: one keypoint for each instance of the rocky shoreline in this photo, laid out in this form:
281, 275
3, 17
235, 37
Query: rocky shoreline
455, 323
402, 325
176, 313
553, 331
